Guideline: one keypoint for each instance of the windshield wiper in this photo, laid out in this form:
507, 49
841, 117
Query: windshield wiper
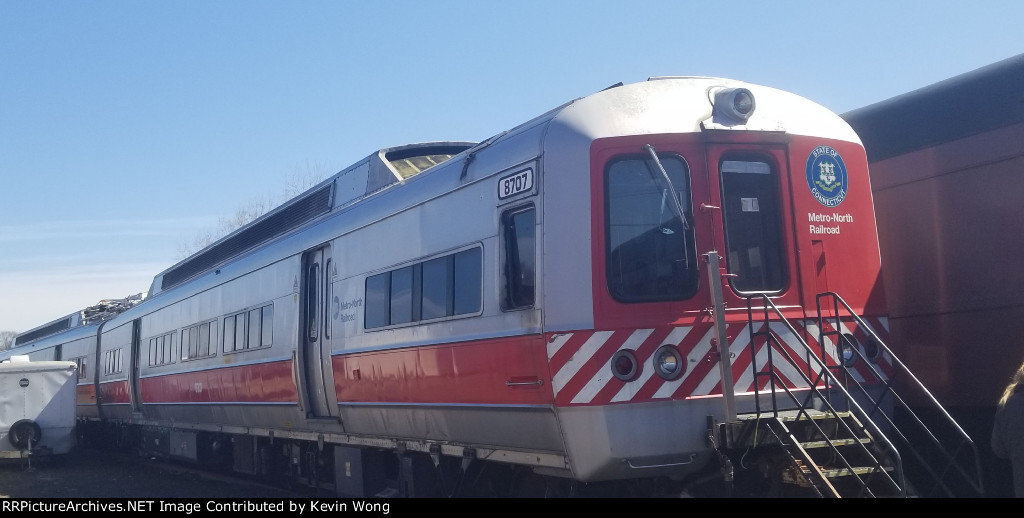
671, 188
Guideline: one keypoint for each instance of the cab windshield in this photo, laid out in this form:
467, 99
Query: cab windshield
650, 255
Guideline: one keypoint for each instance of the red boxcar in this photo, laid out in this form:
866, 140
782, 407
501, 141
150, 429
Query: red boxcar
946, 166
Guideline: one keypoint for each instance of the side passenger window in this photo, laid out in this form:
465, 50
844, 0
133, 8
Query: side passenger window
441, 287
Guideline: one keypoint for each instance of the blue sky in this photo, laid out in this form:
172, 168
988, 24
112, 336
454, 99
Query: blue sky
127, 128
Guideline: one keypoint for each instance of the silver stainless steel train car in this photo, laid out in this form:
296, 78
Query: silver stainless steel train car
568, 300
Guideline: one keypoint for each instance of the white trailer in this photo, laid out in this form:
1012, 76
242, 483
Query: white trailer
37, 407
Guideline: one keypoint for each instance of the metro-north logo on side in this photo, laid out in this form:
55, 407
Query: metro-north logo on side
826, 176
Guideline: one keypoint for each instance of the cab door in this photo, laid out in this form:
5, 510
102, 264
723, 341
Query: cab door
754, 233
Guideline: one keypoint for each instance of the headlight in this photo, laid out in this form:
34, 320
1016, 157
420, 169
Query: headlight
848, 346
735, 103
872, 349
625, 366
668, 363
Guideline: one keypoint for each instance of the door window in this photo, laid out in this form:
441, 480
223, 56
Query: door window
753, 230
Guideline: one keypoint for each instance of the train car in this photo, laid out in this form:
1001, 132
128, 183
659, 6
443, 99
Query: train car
594, 296
945, 163
72, 338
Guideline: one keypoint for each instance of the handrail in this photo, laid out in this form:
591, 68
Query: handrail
814, 392
973, 480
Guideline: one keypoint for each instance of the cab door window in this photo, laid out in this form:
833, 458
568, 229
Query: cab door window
753, 228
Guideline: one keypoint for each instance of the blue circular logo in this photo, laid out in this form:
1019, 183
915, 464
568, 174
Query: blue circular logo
826, 176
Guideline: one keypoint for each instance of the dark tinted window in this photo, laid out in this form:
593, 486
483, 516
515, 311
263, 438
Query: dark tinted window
267, 332
753, 228
467, 281
378, 295
229, 333
204, 340
651, 251
255, 330
441, 287
312, 303
193, 342
240, 332
437, 289
520, 257
401, 295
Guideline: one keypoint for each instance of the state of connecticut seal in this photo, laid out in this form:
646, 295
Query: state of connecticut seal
826, 176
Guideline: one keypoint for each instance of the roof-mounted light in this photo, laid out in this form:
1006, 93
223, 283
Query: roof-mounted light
734, 103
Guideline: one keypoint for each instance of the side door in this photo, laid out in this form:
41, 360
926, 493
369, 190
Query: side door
135, 366
316, 375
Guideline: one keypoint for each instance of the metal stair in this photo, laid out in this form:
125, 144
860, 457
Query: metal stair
834, 455
940, 458
832, 437
816, 453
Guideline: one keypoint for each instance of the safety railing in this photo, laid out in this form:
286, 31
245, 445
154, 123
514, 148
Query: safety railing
820, 387
942, 460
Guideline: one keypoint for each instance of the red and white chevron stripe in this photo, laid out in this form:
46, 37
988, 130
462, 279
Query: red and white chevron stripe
580, 361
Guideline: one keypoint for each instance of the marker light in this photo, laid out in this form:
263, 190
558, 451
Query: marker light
734, 103
668, 363
873, 349
624, 365
848, 346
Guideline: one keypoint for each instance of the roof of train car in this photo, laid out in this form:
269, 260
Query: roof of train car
52, 327
80, 331
968, 104
585, 115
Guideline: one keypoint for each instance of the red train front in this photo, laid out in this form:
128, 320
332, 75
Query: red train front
772, 185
